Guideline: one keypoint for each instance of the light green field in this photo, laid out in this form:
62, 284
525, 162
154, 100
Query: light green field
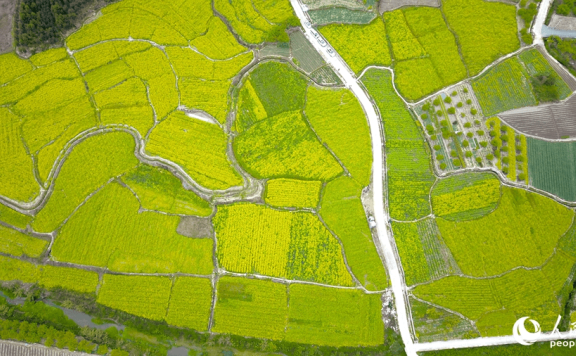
338, 119
423, 253
145, 296
17, 176
359, 45
409, 174
342, 210
109, 231
435, 324
157, 189
485, 30
14, 67
335, 317
198, 147
190, 303
48, 276
498, 302
89, 166
293, 245
165, 23
251, 307
13, 217
293, 193
258, 21
279, 86
522, 231
466, 196
218, 42
283, 146
15, 243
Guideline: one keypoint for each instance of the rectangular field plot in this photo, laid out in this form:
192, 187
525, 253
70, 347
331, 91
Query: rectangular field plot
15, 243
293, 193
190, 303
504, 87
12, 217
144, 296
294, 245
466, 196
522, 231
48, 276
343, 212
304, 53
340, 15
335, 317
157, 189
423, 252
552, 167
109, 230
360, 46
538, 293
251, 307
435, 324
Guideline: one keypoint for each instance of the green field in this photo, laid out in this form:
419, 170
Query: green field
340, 15
89, 166
144, 296
503, 87
283, 146
359, 45
522, 231
485, 30
435, 324
293, 245
190, 303
15, 243
420, 77
551, 168
13, 217
423, 253
342, 210
251, 307
259, 20
279, 87
409, 173
198, 147
338, 120
303, 53
218, 42
292, 193
329, 316
17, 178
158, 190
492, 305
466, 196
109, 231
48, 276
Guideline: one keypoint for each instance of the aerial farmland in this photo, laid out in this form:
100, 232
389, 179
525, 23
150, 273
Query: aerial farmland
287, 177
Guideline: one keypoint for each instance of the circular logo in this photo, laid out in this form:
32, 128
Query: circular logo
521, 334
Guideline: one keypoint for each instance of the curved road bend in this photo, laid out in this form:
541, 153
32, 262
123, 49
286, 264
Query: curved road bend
396, 279
398, 284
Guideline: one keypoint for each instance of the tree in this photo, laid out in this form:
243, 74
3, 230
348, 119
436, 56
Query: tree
457, 163
442, 165
480, 132
448, 100
439, 157
473, 111
424, 116
465, 143
468, 154
489, 156
451, 111
505, 160
436, 147
479, 159
469, 102
483, 143
522, 176
436, 102
453, 154
467, 125
459, 104
469, 135
454, 93
563, 10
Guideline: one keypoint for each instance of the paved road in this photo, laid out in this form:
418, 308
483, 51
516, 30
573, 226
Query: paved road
386, 243
539, 22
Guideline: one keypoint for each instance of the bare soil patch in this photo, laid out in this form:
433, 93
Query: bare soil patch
7, 9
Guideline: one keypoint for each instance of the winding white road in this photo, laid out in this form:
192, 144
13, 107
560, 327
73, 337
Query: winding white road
378, 176
386, 242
